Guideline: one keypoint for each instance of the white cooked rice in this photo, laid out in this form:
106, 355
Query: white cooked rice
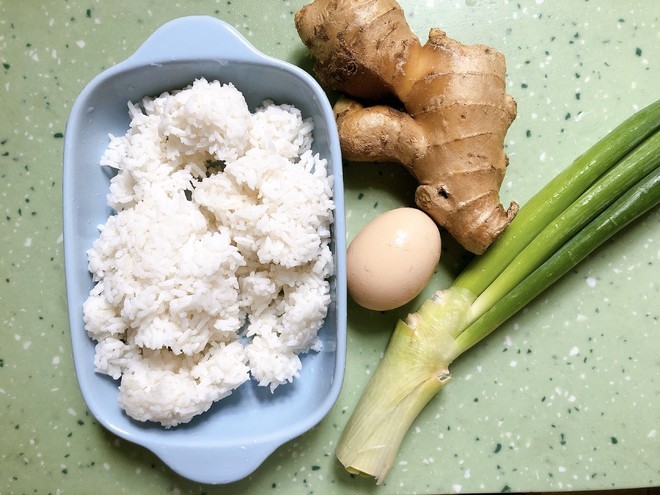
209, 274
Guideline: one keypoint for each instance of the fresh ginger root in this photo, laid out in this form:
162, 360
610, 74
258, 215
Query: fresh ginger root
457, 112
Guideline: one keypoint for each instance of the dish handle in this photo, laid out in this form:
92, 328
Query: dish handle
215, 465
195, 37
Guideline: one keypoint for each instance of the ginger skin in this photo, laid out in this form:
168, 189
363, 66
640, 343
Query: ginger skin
457, 111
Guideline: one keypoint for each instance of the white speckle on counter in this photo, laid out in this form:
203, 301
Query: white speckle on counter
574, 351
55, 361
71, 411
591, 282
80, 43
28, 242
456, 487
652, 434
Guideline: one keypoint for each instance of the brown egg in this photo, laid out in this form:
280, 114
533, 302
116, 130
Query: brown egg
392, 258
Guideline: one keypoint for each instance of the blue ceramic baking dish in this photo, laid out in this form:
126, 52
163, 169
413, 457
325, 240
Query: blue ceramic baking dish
235, 436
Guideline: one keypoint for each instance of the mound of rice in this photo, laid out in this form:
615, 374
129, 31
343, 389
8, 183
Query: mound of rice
214, 269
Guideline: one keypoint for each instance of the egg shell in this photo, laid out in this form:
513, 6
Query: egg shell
392, 259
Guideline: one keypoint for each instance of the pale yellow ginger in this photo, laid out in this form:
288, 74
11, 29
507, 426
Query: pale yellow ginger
456, 112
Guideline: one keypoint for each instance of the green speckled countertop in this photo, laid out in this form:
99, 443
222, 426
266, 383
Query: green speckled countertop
565, 396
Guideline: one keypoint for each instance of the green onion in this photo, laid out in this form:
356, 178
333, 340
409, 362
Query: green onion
637, 201
612, 184
558, 194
